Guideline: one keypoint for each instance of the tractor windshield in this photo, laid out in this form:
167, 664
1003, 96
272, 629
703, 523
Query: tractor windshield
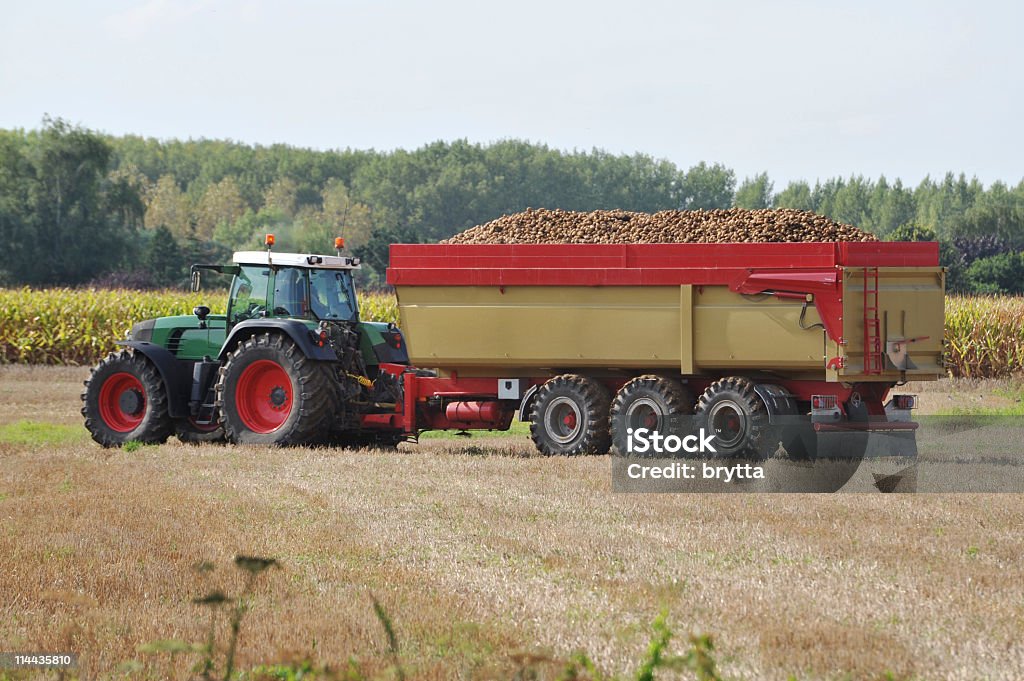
249, 293
332, 295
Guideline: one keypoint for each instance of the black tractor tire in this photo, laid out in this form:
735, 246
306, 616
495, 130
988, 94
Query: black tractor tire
269, 393
570, 417
647, 402
125, 400
192, 433
732, 411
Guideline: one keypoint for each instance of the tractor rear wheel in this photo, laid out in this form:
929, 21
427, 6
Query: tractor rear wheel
124, 400
268, 392
647, 402
731, 410
570, 416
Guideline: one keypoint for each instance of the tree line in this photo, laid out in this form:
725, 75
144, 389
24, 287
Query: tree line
78, 207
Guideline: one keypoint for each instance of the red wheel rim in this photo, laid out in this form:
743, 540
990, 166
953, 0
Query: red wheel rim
263, 396
122, 402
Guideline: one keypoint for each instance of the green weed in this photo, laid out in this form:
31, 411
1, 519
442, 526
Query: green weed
37, 433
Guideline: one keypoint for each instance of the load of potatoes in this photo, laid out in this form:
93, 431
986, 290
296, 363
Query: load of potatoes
546, 226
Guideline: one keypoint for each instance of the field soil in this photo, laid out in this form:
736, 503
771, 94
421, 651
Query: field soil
481, 551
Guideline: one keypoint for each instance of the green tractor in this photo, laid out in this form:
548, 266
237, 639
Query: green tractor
290, 363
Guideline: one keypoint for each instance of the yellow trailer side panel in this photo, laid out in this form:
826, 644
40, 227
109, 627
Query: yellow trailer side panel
679, 328
542, 326
733, 331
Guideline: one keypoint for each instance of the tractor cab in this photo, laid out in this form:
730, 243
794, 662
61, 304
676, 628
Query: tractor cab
291, 285
306, 295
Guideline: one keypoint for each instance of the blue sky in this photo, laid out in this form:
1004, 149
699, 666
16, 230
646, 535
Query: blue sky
799, 89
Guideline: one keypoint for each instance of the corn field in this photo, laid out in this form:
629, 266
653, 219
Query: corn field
984, 335
76, 326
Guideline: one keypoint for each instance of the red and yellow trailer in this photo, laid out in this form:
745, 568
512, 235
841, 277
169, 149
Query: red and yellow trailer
573, 336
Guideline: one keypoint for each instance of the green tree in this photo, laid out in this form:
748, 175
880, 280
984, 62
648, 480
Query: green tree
163, 259
754, 192
340, 216
247, 232
282, 196
64, 216
168, 206
797, 194
911, 232
221, 202
998, 274
708, 187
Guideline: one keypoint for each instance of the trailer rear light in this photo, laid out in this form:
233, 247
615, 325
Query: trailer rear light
823, 402
905, 401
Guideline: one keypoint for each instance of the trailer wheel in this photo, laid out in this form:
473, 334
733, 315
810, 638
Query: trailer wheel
124, 400
732, 411
570, 416
270, 393
647, 402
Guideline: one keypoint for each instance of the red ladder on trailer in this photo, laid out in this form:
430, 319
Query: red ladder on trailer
872, 325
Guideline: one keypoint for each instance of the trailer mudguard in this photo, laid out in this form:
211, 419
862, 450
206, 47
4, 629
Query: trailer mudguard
526, 404
175, 373
297, 331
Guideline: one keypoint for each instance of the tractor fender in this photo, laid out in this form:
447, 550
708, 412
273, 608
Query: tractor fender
175, 373
294, 329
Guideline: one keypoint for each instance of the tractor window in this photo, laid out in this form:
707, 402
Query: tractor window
332, 294
290, 296
248, 293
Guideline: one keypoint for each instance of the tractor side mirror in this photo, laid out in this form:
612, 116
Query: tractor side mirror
195, 281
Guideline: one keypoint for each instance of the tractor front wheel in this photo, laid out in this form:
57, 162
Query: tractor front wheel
125, 400
270, 393
570, 416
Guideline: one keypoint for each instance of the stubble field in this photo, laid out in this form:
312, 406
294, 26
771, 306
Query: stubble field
481, 551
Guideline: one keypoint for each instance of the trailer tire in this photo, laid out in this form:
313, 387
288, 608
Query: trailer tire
650, 402
268, 392
126, 400
570, 417
732, 411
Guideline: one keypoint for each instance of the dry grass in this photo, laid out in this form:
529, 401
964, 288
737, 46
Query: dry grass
477, 554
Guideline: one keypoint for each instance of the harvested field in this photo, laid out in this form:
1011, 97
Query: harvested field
545, 226
480, 550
